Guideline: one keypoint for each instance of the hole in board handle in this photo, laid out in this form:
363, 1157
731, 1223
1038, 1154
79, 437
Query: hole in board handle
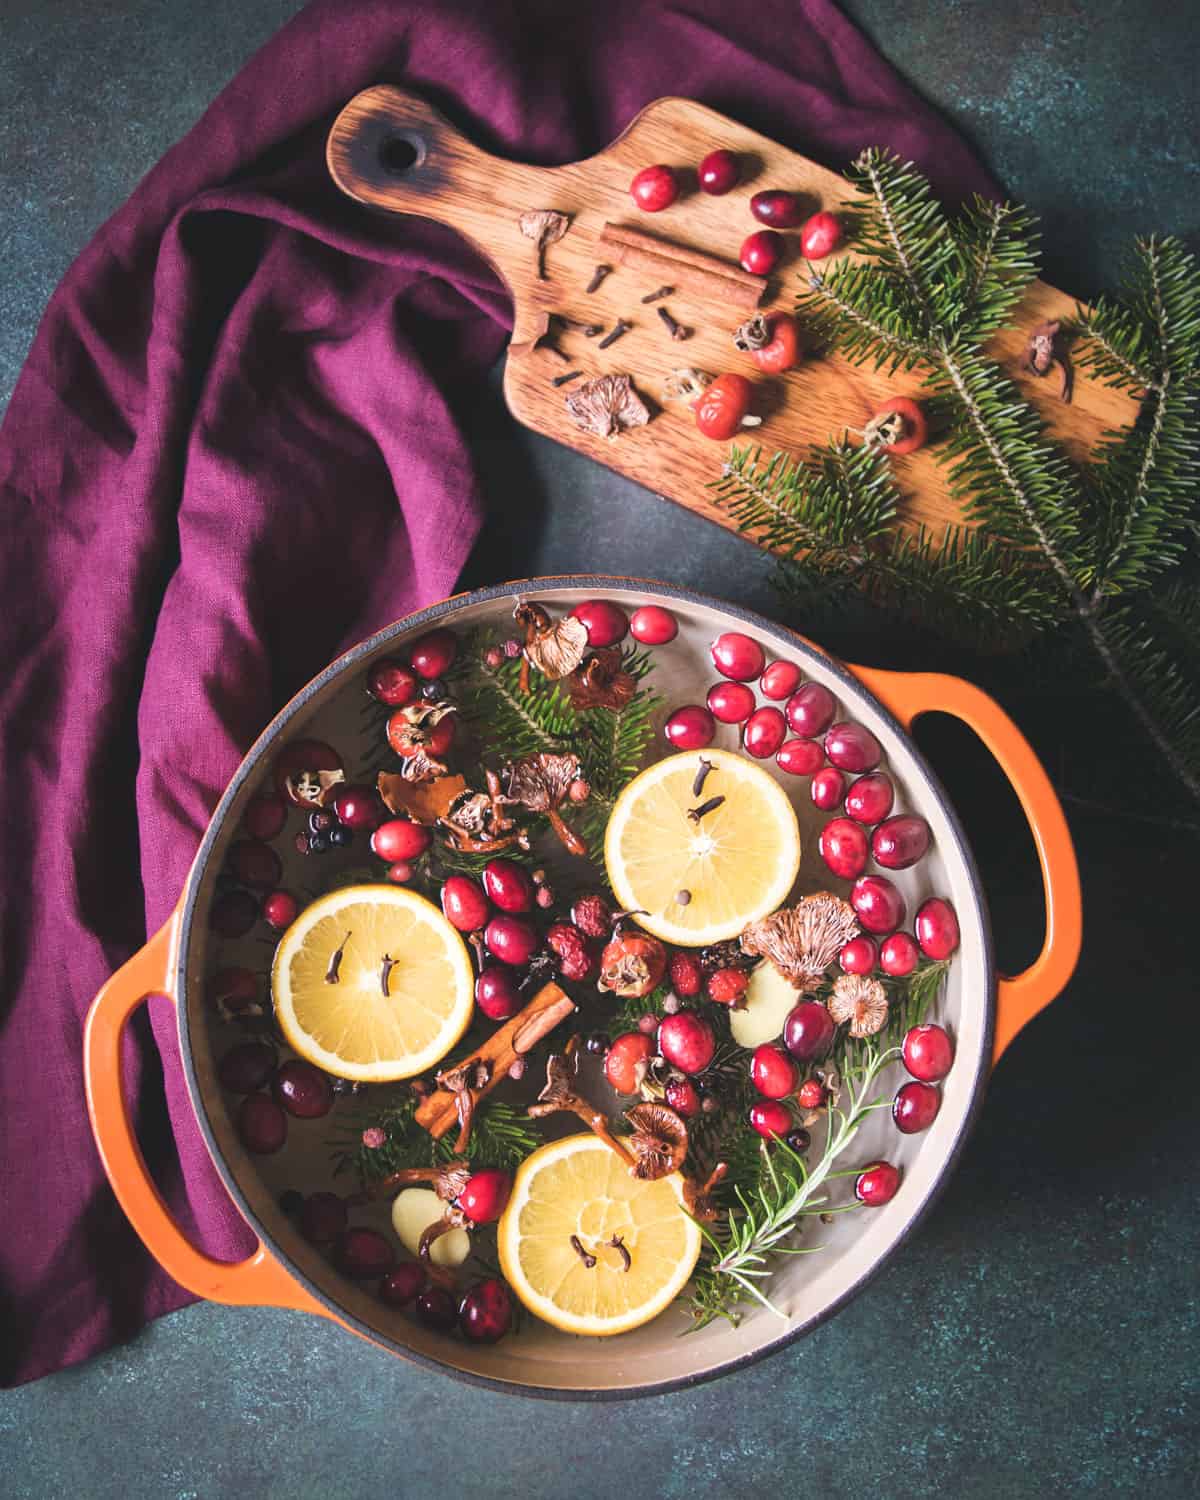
401, 152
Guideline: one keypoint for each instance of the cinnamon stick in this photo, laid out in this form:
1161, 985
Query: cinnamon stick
439, 1112
689, 270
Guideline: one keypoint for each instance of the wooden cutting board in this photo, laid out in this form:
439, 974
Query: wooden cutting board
391, 150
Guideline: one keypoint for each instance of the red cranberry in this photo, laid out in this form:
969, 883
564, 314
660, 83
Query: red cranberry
593, 916
627, 1058
496, 994
728, 986
511, 939
400, 839
655, 188
392, 683
508, 885
738, 656
898, 955
265, 816
777, 208
800, 757
687, 1041
810, 710
686, 975
877, 903
772, 1072
730, 702
766, 730
399, 1287
808, 1031
780, 680
719, 173
261, 1124
915, 1107
246, 1067
683, 1097
859, 956
567, 943
852, 748
280, 910
304, 1091
463, 904
364, 1253
770, 1118
936, 928
231, 991
399, 872
322, 1218
485, 1314
432, 655
821, 235
653, 626
605, 623
435, 1307
900, 841
233, 914
928, 1052
760, 252
827, 789
811, 1094
690, 728
359, 807
843, 847
870, 798
877, 1184
485, 1196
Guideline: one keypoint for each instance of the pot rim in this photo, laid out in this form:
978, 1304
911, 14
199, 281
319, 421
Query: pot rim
251, 766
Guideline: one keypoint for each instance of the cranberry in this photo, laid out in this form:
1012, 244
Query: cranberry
808, 1031
463, 903
843, 847
303, 1090
777, 208
760, 252
400, 872
435, 1307
322, 1218
800, 757
496, 994
359, 807
780, 680
686, 975
936, 928
827, 789
690, 728
655, 188
687, 1041
877, 903
915, 1107
900, 841
485, 1314
592, 915
738, 656
928, 1052
627, 1058
511, 939
231, 991
820, 235
400, 839
653, 626
859, 956
432, 654
766, 730
399, 1287
575, 960
261, 1124
364, 1253
811, 1094
246, 1067
392, 683
798, 1140
877, 1184
508, 885
485, 1196
233, 914
728, 986
719, 173
683, 1097
770, 1118
730, 702
441, 736
265, 816
898, 955
605, 623
772, 1072
852, 748
810, 710
870, 798
280, 910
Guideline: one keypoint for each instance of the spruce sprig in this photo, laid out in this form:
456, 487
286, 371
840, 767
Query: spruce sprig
501, 1136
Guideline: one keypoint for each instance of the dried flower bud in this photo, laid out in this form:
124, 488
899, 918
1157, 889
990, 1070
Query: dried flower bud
374, 1137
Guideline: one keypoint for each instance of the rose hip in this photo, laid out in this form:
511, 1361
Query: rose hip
653, 626
766, 729
690, 728
936, 927
605, 623
900, 841
928, 1052
496, 994
859, 956
760, 252
915, 1107
827, 789
728, 986
877, 904
738, 656
730, 702
719, 173
821, 235
780, 680
870, 798
852, 748
899, 954
654, 188
400, 838
392, 683
770, 1118
877, 1184
433, 654
843, 847
246, 1067
810, 710
302, 1089
265, 816
808, 1031
772, 1072
511, 939
261, 1124
463, 904
624, 1064
687, 1041
800, 757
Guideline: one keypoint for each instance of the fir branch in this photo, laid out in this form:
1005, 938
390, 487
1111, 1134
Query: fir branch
501, 1136
997, 261
845, 305
612, 748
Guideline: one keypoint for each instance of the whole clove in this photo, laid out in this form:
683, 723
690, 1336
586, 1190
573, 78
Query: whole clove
663, 291
567, 378
618, 328
702, 771
335, 962
618, 1244
598, 276
676, 330
577, 1245
385, 974
696, 813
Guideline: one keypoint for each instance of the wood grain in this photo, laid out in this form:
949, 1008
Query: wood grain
393, 151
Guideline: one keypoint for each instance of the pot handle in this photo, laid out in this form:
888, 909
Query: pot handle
908, 695
259, 1280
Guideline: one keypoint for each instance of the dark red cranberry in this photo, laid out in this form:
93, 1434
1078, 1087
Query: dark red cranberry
821, 235
877, 1184
265, 816
936, 928
730, 702
719, 173
654, 188
687, 1041
231, 991
915, 1107
626, 1061
760, 252
772, 1072
798, 1140
653, 626
359, 807
811, 1094
304, 1091
777, 208
780, 680
485, 1314
738, 656
827, 788
233, 914
859, 956
850, 747
280, 910
432, 654
568, 944
877, 904
508, 885
690, 728
770, 1118
683, 1097
392, 683
928, 1052
800, 757
463, 904
322, 1218
261, 1124
870, 798
486, 1195
900, 842
593, 916
436, 1308
766, 730
843, 846
496, 993
898, 955
255, 864
605, 622
808, 1031
399, 1287
511, 939
246, 1067
363, 1254
400, 839
686, 975
810, 710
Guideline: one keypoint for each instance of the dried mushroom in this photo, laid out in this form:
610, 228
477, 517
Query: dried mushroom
861, 1001
607, 406
543, 226
561, 1093
659, 1141
554, 647
601, 682
1043, 352
541, 783
803, 940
